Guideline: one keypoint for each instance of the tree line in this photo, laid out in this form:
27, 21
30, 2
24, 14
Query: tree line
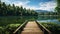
58, 6
48, 13
12, 10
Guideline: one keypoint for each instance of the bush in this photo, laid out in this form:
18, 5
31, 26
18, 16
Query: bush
11, 27
53, 27
1, 30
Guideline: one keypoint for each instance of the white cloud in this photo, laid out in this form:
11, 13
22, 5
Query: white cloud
47, 5
42, 6
7, 1
23, 3
16, 2
50, 6
31, 7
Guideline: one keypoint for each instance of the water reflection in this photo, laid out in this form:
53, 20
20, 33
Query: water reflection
5, 20
48, 19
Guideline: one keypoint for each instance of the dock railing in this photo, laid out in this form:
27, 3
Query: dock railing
20, 28
44, 29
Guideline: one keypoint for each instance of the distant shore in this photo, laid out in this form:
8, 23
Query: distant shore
48, 15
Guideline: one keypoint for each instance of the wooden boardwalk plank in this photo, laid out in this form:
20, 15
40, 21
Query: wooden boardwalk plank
32, 28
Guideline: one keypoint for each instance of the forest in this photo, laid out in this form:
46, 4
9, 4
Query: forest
12, 10
58, 6
11, 17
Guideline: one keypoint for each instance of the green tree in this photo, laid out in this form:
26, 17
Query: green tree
12, 10
4, 8
58, 6
21, 9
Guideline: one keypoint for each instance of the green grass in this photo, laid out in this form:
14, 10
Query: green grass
9, 28
53, 27
59, 19
10, 23
12, 26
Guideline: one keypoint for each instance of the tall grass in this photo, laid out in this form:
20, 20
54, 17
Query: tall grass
53, 27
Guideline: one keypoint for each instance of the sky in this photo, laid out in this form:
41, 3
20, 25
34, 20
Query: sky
48, 5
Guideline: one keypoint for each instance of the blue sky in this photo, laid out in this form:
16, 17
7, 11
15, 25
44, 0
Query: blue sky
33, 4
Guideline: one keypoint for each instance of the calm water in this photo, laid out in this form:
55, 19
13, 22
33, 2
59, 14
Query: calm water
5, 20
48, 19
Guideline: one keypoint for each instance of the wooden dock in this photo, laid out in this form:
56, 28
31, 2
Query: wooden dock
31, 27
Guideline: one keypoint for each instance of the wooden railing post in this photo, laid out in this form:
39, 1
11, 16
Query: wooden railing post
20, 28
44, 29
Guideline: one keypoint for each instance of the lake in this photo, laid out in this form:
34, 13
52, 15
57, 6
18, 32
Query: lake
10, 23
52, 19
5, 20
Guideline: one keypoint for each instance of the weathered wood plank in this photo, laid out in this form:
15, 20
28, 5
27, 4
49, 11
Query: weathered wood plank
32, 28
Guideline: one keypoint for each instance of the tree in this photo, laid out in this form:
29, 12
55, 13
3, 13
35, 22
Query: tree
4, 8
18, 12
58, 6
21, 9
0, 6
58, 3
12, 10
